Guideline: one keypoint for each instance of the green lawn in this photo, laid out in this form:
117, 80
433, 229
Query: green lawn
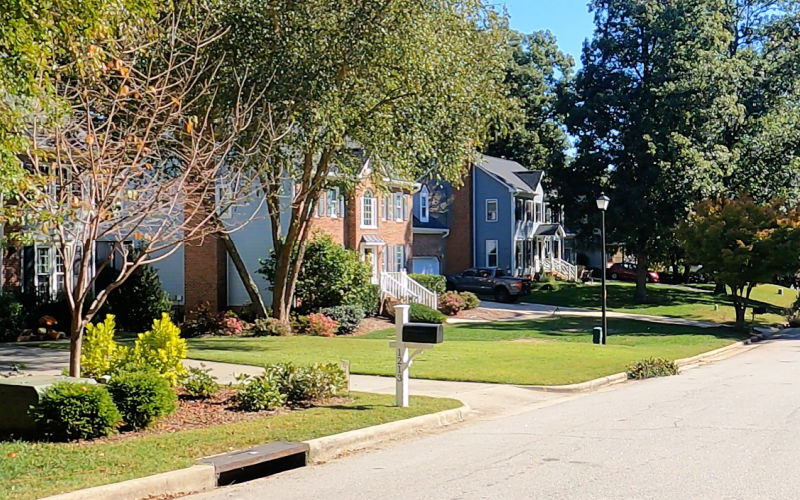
551, 351
665, 300
34, 470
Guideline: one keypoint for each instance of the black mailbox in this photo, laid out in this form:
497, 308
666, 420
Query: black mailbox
423, 333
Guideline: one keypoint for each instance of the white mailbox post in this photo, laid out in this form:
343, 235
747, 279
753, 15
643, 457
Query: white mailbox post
405, 354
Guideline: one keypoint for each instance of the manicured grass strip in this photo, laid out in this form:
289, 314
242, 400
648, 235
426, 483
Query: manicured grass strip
664, 300
538, 352
33, 470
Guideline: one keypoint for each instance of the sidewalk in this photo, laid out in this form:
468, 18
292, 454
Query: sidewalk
523, 311
485, 400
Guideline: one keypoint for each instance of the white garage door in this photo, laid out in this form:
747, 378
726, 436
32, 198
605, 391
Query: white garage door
425, 265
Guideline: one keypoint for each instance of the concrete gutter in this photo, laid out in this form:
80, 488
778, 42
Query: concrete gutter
173, 483
330, 447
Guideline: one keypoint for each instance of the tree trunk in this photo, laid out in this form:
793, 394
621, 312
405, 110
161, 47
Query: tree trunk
640, 297
687, 269
281, 306
75, 342
256, 301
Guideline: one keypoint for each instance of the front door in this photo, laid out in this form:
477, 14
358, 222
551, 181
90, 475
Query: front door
370, 257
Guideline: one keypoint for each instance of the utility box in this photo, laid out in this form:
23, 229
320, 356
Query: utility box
18, 394
423, 333
597, 334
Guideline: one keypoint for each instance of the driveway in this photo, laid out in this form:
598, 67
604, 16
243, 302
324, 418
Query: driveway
723, 430
499, 311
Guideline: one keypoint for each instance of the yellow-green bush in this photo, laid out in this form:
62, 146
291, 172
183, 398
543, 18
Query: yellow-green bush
162, 348
100, 354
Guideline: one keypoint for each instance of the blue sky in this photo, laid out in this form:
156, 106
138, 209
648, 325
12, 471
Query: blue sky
569, 20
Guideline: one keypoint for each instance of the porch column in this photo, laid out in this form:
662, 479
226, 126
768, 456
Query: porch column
552, 253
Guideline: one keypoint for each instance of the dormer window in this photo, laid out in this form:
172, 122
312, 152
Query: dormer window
424, 214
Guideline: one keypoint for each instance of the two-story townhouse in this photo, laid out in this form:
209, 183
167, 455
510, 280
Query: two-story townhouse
431, 227
503, 219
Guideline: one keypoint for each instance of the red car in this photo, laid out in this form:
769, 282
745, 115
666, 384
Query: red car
627, 271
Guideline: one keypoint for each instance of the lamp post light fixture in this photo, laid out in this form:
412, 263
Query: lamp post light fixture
602, 205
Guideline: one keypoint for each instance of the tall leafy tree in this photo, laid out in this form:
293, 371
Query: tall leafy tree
414, 83
537, 75
642, 115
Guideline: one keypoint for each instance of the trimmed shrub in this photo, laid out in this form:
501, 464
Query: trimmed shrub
549, 282
231, 324
471, 300
69, 410
139, 298
348, 317
321, 325
436, 283
652, 367
142, 396
450, 303
263, 327
199, 383
162, 348
370, 300
419, 313
12, 316
200, 321
306, 383
330, 276
258, 393
100, 354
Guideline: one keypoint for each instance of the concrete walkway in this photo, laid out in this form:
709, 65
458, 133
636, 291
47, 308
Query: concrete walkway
525, 311
485, 400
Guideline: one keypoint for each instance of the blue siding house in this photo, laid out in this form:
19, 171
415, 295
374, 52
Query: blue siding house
503, 212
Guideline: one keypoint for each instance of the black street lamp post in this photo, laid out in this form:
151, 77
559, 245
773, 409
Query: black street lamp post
602, 205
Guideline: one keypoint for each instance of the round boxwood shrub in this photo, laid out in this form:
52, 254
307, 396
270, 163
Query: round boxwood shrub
348, 317
471, 300
418, 313
70, 410
142, 396
652, 367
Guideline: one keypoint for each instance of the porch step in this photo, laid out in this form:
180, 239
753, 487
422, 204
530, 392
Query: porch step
260, 461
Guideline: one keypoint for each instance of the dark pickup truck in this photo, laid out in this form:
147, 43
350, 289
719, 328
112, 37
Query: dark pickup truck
488, 281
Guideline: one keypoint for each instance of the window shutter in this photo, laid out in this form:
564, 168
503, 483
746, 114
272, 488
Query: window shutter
405, 206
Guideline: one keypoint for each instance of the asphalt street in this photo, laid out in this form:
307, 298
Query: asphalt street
723, 430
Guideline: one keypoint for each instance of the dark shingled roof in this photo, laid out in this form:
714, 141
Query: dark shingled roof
547, 229
512, 173
433, 223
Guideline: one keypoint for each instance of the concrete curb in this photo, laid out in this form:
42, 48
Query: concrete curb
618, 378
329, 447
177, 482
202, 477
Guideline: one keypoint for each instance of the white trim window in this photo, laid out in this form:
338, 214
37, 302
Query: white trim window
491, 210
368, 209
334, 209
529, 210
424, 208
49, 270
398, 206
320, 205
399, 258
491, 253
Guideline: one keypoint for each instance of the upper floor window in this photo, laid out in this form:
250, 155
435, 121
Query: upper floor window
424, 201
539, 212
529, 210
320, 205
491, 210
400, 206
49, 277
368, 207
519, 208
334, 203
549, 216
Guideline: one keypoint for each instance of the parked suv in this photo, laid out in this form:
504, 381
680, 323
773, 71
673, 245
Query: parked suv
627, 271
489, 281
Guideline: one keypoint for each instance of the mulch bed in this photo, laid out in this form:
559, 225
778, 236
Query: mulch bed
201, 413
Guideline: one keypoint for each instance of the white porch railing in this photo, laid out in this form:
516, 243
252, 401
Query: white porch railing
400, 286
562, 267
